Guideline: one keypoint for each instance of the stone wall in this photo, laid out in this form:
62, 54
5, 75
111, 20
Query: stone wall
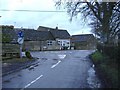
10, 50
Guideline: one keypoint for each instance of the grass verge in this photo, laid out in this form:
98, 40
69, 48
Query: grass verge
106, 68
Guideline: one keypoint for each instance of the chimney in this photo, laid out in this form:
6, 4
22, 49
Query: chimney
56, 28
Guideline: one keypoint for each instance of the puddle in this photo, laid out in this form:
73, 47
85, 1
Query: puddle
44, 58
19, 75
55, 59
6, 81
92, 79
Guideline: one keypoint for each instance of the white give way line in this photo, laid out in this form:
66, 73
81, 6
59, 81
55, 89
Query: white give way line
33, 81
61, 57
55, 64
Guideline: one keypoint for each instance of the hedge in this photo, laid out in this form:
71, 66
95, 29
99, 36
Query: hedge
109, 50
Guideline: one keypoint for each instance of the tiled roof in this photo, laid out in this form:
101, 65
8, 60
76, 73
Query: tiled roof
56, 33
29, 34
42, 28
37, 35
61, 34
81, 38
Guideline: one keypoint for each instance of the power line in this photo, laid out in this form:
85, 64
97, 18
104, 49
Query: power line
7, 10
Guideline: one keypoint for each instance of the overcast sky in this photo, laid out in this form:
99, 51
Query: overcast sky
35, 19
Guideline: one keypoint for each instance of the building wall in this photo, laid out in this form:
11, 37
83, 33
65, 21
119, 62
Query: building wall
86, 45
10, 50
31, 45
40, 45
54, 46
64, 43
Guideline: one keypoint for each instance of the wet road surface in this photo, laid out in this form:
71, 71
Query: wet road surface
56, 69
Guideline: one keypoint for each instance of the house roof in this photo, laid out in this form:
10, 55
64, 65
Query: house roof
37, 35
61, 34
34, 35
56, 33
81, 38
42, 28
29, 34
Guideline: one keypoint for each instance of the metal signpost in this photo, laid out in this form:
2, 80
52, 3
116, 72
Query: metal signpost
20, 41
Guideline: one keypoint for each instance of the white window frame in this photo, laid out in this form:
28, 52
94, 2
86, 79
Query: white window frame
49, 43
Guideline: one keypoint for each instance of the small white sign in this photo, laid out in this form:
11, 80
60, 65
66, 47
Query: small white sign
20, 40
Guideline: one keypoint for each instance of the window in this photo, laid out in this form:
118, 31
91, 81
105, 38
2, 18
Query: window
63, 44
49, 43
59, 42
68, 43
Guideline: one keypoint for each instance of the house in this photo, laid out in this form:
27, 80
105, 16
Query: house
37, 40
40, 39
61, 37
83, 41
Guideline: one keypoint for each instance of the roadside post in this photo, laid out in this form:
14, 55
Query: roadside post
20, 41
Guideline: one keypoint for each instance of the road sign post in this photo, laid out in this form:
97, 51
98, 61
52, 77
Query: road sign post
20, 41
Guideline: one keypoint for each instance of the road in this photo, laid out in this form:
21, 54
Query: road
56, 69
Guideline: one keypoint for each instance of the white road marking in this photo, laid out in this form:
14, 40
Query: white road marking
61, 56
55, 64
33, 81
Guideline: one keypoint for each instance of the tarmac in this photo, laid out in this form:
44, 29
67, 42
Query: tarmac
12, 67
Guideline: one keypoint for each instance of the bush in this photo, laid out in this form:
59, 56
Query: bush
97, 57
111, 74
28, 55
108, 70
109, 50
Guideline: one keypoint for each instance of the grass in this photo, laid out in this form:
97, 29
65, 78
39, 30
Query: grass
97, 57
107, 68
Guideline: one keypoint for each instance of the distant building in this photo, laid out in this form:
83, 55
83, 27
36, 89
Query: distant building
41, 39
61, 37
83, 41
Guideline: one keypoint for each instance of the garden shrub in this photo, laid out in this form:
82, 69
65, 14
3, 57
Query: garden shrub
97, 57
28, 55
110, 50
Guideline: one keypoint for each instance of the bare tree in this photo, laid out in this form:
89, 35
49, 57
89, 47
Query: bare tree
105, 16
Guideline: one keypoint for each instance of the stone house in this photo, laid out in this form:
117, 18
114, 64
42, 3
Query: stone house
83, 41
40, 40
61, 37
